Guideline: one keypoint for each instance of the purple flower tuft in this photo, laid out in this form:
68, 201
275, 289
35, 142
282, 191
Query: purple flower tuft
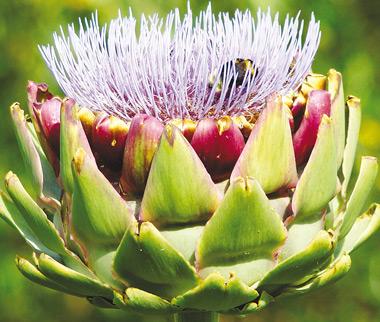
165, 70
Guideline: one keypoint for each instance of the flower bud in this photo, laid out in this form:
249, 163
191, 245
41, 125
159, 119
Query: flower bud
45, 110
49, 115
318, 104
48, 133
143, 138
109, 134
218, 144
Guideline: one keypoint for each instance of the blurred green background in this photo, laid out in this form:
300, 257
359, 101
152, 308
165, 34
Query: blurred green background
350, 43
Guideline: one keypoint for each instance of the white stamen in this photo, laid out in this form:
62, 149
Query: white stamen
165, 70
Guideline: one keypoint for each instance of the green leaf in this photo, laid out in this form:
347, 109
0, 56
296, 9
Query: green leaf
216, 293
363, 228
28, 151
71, 260
300, 265
45, 190
300, 235
354, 120
72, 137
99, 215
280, 205
77, 282
101, 262
184, 240
363, 186
268, 155
33, 274
179, 189
249, 272
318, 182
146, 260
51, 190
10, 213
243, 228
33, 215
334, 208
335, 87
330, 275
135, 300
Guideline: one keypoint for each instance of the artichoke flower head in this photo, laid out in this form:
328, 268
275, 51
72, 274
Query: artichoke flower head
194, 168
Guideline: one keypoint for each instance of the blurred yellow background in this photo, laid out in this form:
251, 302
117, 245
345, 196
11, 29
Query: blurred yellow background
350, 43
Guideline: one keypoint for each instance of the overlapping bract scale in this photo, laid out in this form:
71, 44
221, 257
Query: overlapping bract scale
158, 231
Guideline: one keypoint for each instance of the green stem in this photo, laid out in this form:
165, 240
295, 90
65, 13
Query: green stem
197, 317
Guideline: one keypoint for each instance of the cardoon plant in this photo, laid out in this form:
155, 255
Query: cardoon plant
197, 167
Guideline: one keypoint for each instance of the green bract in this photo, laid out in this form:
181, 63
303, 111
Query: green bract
188, 246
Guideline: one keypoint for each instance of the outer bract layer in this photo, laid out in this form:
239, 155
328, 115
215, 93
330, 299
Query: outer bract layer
137, 216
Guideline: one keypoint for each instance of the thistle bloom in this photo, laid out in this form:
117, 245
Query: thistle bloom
196, 168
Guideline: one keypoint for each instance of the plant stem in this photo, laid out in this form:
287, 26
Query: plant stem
197, 317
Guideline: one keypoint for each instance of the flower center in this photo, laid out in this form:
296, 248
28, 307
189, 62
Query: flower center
182, 67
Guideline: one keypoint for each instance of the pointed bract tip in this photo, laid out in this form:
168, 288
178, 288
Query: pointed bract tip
8, 177
170, 133
16, 111
353, 101
370, 158
326, 120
